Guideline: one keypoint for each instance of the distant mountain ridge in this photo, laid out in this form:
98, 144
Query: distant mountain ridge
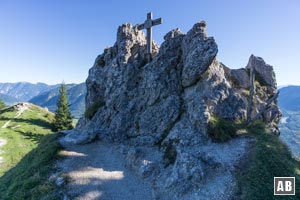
289, 98
8, 100
23, 91
44, 95
76, 96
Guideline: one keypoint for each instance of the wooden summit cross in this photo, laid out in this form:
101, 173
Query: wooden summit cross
148, 25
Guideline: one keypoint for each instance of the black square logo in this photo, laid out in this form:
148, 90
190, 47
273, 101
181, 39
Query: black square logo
284, 185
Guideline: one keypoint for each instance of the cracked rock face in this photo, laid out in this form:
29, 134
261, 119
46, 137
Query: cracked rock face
262, 69
163, 107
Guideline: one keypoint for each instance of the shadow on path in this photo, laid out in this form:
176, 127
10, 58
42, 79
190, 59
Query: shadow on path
97, 171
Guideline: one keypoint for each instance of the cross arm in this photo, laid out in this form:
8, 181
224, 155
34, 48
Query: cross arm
157, 21
140, 26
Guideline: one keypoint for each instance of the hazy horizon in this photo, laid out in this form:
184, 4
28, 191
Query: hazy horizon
278, 86
40, 82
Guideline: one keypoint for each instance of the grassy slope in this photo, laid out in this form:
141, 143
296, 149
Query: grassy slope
28, 155
269, 158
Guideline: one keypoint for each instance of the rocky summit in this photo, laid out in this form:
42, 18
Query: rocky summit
158, 113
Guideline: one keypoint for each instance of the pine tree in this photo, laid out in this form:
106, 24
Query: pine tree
2, 105
63, 119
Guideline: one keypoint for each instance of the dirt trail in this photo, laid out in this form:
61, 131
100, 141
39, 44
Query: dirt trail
21, 107
6, 124
97, 171
2, 143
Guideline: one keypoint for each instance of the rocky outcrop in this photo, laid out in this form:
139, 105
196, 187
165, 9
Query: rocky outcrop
263, 70
265, 101
159, 111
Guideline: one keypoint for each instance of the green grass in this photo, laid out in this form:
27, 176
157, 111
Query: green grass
28, 155
245, 92
33, 125
222, 130
269, 158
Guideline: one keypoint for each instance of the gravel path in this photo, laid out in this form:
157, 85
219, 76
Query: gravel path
97, 171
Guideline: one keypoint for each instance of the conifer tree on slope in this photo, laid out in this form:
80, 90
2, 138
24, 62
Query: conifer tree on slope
63, 119
2, 105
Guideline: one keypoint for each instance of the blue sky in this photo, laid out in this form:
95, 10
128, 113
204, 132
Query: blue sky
55, 40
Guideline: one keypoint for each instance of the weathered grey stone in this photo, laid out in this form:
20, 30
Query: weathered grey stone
59, 181
264, 70
198, 53
147, 168
77, 137
265, 90
187, 173
159, 111
241, 77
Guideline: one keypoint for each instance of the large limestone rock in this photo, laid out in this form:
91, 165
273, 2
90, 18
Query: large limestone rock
265, 89
263, 70
159, 111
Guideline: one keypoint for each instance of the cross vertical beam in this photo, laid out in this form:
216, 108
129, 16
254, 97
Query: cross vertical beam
148, 25
149, 36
